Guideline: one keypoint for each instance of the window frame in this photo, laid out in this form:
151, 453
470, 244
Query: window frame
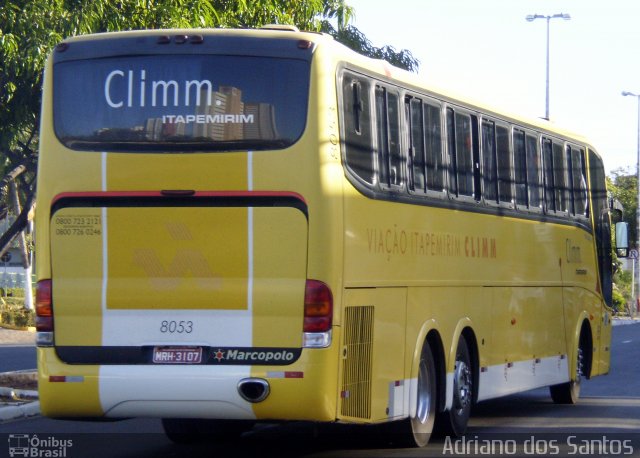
498, 202
366, 84
581, 150
452, 159
539, 171
529, 134
563, 151
517, 130
386, 184
427, 190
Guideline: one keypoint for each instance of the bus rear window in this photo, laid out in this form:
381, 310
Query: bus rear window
174, 103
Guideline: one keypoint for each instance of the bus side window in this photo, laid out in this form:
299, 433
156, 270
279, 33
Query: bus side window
560, 178
451, 152
383, 135
433, 142
358, 142
549, 188
396, 164
489, 167
464, 154
520, 167
569, 167
503, 156
388, 122
414, 116
534, 172
579, 180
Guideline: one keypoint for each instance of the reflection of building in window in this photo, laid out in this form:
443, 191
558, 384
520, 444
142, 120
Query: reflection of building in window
264, 122
211, 130
233, 131
228, 100
168, 130
154, 128
227, 118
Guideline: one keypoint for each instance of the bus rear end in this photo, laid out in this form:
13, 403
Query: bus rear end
173, 277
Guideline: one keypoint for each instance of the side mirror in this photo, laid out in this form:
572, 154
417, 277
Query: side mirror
617, 210
622, 240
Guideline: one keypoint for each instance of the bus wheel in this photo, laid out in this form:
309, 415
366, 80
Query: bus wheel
569, 392
454, 421
416, 430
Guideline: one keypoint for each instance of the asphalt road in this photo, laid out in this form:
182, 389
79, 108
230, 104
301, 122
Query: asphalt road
17, 358
605, 422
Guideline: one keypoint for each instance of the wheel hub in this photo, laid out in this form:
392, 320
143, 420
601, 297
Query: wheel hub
462, 386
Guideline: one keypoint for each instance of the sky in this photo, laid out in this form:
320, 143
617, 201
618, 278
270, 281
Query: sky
486, 50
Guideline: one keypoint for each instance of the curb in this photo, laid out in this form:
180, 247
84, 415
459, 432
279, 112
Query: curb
27, 406
13, 327
26, 395
15, 412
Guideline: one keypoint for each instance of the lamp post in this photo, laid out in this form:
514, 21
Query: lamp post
637, 96
533, 17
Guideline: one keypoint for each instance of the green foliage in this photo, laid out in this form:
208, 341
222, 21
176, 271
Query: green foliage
619, 302
13, 313
622, 290
623, 186
354, 39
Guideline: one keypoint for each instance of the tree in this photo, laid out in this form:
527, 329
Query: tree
623, 186
29, 30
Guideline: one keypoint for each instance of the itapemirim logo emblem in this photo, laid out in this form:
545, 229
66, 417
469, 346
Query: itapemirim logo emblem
28, 445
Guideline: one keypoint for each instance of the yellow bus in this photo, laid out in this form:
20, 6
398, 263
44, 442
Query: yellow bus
258, 225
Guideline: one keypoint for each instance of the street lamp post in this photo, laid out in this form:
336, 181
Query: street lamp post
533, 17
637, 96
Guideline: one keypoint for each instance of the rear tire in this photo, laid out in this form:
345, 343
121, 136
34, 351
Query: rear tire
416, 430
453, 422
569, 392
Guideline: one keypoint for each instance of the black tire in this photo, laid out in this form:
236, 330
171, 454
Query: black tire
416, 430
453, 422
190, 430
569, 392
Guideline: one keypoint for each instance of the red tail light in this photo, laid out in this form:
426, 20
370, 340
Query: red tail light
44, 309
318, 307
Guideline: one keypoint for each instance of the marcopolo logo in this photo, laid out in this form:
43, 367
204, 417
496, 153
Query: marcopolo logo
40, 447
260, 356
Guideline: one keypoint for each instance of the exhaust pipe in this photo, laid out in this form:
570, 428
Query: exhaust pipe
253, 389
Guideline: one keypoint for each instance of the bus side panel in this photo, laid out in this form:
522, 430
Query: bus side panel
373, 385
279, 263
77, 397
583, 305
305, 390
449, 310
604, 344
77, 265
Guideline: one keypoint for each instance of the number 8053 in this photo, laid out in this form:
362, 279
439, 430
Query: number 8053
176, 327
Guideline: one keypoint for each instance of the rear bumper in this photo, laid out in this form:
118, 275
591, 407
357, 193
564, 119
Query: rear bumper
305, 390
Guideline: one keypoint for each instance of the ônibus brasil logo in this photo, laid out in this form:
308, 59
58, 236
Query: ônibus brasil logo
33, 446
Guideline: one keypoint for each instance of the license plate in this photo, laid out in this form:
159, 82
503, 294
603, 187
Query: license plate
177, 355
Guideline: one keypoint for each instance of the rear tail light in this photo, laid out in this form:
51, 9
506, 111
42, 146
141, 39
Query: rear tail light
318, 314
44, 313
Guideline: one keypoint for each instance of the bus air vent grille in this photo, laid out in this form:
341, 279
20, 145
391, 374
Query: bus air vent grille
358, 355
